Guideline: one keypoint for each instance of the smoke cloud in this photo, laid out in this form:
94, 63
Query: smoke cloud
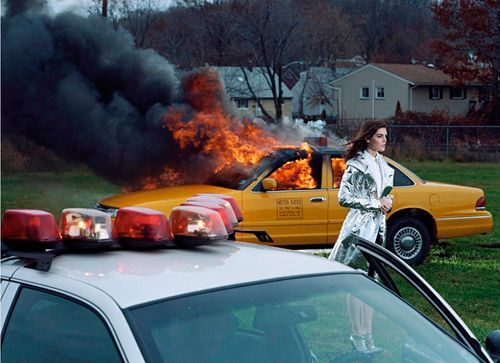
79, 86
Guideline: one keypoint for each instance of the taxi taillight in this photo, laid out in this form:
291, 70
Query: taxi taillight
139, 227
29, 229
481, 203
193, 226
229, 209
215, 207
231, 200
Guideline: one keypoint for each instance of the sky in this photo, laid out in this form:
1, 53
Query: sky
77, 6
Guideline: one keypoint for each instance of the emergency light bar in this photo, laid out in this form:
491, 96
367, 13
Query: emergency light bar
229, 209
139, 227
231, 200
194, 226
25, 229
86, 228
216, 207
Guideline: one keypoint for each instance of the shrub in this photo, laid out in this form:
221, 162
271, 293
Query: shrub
20, 154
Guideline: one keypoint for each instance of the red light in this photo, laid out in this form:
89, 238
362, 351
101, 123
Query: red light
30, 225
231, 200
224, 203
141, 227
193, 226
215, 207
481, 203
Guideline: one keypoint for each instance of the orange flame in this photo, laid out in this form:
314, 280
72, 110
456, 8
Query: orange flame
338, 166
212, 132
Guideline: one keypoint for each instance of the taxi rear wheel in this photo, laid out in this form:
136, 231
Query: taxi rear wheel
409, 239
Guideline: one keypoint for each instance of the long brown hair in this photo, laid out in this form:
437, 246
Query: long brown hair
364, 133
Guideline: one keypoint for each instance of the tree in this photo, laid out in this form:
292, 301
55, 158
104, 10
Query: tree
137, 16
266, 30
324, 35
470, 48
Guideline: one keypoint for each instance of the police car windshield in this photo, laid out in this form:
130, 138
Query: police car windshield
295, 320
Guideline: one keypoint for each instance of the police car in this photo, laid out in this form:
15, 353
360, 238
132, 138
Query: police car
143, 288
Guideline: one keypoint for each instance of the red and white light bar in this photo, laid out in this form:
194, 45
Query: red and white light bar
134, 227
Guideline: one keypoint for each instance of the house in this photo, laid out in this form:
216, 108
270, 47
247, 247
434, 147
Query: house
244, 87
312, 95
374, 90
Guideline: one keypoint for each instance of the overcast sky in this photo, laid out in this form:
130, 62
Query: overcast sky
77, 6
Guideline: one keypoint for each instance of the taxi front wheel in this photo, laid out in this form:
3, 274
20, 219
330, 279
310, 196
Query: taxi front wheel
409, 239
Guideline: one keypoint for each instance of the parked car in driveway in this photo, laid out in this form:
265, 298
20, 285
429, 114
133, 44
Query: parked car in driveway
301, 210
140, 298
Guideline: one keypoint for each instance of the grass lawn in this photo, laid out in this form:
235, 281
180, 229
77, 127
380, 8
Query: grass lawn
79, 188
465, 271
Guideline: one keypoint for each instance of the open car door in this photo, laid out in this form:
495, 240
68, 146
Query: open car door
399, 277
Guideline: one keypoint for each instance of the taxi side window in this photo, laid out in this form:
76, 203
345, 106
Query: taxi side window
338, 168
299, 174
47, 328
401, 180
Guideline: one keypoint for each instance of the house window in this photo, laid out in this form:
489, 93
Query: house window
457, 93
242, 102
380, 93
364, 93
435, 92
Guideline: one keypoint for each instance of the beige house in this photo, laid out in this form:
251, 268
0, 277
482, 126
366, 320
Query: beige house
243, 94
374, 90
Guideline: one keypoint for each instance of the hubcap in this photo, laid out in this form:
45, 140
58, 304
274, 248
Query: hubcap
408, 243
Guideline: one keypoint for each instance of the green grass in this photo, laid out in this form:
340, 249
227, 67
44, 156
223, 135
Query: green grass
465, 271
79, 188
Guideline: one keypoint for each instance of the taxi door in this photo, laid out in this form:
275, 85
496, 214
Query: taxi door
293, 214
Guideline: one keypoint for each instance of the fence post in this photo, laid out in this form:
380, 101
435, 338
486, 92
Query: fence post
447, 140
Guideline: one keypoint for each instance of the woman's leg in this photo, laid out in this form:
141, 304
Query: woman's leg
355, 310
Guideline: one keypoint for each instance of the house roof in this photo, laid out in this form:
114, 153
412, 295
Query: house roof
236, 86
418, 74
414, 74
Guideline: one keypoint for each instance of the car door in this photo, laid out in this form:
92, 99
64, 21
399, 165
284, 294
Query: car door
295, 212
395, 274
39, 325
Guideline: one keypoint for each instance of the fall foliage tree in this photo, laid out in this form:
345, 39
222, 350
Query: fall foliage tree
470, 48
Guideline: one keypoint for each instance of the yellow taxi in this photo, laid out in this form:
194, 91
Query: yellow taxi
292, 194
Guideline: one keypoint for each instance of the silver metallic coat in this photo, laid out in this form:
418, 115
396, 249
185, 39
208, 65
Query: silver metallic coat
358, 191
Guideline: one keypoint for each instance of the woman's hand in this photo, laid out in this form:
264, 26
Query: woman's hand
385, 204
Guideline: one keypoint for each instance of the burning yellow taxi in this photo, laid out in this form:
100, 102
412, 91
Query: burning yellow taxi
292, 194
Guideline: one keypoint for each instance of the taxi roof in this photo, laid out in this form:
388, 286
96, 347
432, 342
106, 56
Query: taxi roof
136, 277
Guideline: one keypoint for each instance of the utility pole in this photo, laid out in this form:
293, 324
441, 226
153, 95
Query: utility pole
105, 8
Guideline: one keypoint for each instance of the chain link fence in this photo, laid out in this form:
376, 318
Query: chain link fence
435, 142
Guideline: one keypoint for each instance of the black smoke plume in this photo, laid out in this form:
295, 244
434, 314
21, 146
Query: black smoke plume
81, 87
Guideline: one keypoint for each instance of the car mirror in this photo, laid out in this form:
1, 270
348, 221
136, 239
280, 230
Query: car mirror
493, 345
269, 184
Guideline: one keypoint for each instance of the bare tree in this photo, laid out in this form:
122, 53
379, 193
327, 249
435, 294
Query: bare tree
266, 29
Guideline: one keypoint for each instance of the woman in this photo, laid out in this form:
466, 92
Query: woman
361, 189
